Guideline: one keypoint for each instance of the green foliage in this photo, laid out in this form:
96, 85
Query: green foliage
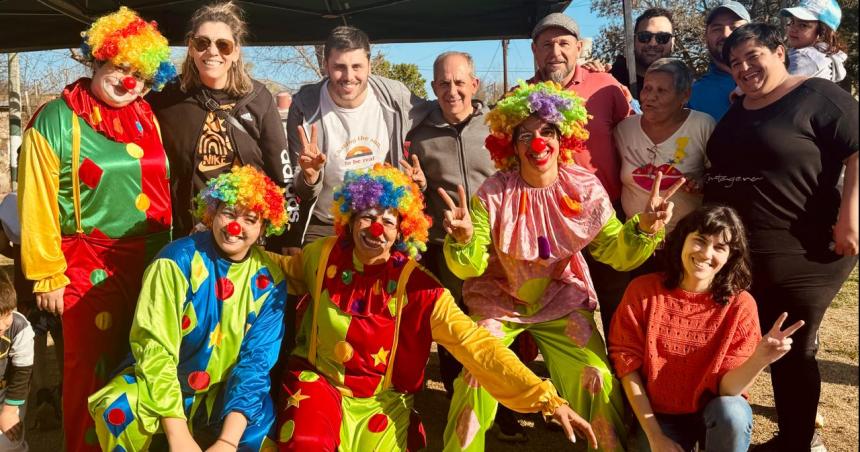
406, 73
689, 18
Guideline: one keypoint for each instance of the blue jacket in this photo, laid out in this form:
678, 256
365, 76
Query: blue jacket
711, 92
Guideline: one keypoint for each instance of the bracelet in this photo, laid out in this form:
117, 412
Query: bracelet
235, 446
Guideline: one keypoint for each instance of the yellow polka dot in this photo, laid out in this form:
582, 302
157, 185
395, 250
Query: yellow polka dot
343, 351
134, 150
104, 320
96, 116
286, 432
331, 271
142, 202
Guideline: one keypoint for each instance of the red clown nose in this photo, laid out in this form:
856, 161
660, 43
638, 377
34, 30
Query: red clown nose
376, 229
234, 228
129, 83
538, 144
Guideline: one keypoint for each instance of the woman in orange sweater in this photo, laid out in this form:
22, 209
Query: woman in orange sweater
686, 343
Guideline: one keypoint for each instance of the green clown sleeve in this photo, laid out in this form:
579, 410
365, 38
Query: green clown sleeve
470, 259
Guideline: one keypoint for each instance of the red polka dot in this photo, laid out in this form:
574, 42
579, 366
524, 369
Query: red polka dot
377, 423
223, 289
198, 380
186, 322
262, 282
116, 416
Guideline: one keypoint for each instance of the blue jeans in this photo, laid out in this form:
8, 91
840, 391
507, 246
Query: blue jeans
725, 424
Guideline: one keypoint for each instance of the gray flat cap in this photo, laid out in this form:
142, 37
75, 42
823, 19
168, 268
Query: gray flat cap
556, 20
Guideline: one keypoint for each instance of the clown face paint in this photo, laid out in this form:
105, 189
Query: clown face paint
373, 233
235, 230
115, 87
537, 149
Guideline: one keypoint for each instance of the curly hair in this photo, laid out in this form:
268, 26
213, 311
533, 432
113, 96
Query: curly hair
247, 187
125, 40
550, 103
385, 187
711, 219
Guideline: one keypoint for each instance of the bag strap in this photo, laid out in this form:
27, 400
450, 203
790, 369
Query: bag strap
320, 275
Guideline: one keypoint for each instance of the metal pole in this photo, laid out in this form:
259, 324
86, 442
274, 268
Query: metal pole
628, 47
505, 63
14, 120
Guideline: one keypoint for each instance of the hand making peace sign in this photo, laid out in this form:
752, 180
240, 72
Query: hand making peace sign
457, 222
658, 211
777, 343
414, 172
311, 159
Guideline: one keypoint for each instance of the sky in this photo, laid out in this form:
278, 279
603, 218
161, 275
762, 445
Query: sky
487, 54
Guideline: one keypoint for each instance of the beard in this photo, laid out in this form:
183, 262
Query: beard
558, 76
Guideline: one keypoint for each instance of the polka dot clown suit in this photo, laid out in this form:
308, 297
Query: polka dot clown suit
365, 338
206, 333
95, 208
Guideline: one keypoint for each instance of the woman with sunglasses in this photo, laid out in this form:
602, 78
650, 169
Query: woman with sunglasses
216, 116
518, 244
94, 204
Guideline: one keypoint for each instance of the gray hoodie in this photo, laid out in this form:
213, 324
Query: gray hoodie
401, 110
451, 157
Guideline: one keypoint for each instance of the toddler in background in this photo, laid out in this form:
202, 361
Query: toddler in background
814, 48
16, 367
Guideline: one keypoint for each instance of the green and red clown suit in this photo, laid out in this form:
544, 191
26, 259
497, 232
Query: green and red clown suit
362, 348
95, 208
205, 336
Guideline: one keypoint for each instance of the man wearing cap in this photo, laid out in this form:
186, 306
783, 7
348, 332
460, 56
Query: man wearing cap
556, 47
711, 92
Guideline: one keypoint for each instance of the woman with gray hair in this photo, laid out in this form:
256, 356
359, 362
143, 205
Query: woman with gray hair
666, 137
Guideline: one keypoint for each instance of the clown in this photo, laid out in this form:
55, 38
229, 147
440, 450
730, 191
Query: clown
520, 242
206, 332
365, 338
94, 204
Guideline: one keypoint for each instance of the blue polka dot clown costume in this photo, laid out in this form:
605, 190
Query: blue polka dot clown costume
207, 330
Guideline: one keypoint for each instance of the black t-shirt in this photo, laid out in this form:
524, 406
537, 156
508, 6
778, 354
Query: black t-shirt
214, 154
779, 165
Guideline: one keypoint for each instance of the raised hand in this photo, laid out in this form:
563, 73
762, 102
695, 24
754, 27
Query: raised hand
457, 222
777, 342
658, 211
573, 423
311, 159
414, 172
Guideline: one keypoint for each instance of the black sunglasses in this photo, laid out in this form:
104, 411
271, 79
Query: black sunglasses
645, 37
201, 43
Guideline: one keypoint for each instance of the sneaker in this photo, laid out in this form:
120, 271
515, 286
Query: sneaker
817, 444
772, 445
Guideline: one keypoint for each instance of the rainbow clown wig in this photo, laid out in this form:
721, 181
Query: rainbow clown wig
550, 103
247, 187
384, 187
125, 40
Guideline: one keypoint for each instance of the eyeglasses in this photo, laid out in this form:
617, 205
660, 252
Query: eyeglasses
201, 43
645, 37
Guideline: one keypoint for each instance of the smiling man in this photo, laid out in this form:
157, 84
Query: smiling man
653, 39
361, 119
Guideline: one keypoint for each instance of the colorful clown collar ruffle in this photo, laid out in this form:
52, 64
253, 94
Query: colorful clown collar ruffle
547, 223
124, 125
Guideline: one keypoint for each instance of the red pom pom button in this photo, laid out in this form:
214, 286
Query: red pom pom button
234, 228
538, 144
129, 83
376, 229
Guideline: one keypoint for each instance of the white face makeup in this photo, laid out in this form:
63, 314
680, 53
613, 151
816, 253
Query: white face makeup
116, 86
374, 232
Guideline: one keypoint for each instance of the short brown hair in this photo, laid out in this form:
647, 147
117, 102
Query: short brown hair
8, 298
346, 38
238, 80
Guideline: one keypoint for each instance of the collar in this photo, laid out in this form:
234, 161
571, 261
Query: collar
124, 125
437, 119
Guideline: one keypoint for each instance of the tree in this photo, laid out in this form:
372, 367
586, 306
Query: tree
689, 17
406, 73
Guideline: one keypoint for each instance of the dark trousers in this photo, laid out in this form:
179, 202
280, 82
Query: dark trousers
803, 288
434, 260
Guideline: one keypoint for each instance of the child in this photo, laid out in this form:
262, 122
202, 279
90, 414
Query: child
686, 343
206, 332
815, 50
16, 367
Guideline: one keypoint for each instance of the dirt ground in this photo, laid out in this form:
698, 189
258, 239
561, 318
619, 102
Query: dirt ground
838, 361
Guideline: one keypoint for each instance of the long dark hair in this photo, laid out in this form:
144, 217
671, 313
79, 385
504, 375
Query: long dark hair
712, 219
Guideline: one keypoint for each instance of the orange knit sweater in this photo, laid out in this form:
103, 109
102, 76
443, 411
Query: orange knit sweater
681, 343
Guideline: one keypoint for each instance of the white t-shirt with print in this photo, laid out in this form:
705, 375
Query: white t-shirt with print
682, 154
355, 138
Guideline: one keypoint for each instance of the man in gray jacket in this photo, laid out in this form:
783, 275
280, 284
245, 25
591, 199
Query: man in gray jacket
349, 120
